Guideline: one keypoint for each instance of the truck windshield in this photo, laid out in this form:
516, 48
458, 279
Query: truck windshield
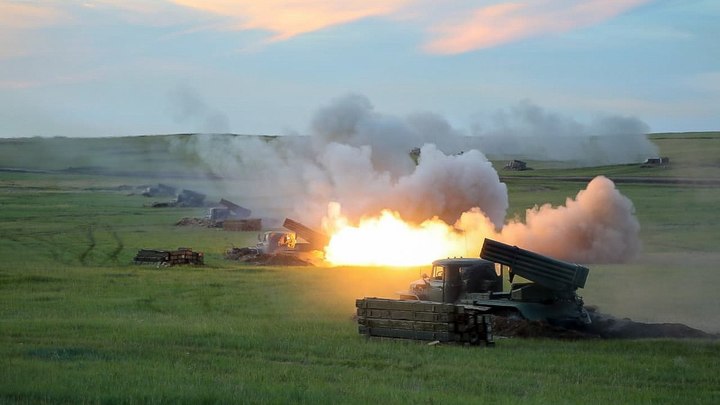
438, 272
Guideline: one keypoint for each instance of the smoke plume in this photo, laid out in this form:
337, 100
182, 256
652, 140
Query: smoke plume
527, 131
597, 226
361, 159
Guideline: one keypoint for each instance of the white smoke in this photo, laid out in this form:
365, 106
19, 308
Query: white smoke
597, 226
529, 132
445, 186
351, 121
360, 159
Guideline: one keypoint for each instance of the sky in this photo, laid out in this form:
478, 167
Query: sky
131, 67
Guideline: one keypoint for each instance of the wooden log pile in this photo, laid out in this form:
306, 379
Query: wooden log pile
424, 320
169, 258
252, 224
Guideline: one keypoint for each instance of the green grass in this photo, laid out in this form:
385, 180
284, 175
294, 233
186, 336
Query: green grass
80, 324
136, 334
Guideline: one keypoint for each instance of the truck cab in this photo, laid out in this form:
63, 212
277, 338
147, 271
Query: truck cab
272, 242
547, 291
452, 278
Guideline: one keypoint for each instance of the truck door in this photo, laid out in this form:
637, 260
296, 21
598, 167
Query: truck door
437, 284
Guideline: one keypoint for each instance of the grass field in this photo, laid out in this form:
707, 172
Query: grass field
80, 324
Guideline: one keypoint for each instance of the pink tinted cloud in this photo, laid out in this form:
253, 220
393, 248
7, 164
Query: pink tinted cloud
453, 27
23, 15
17, 22
288, 18
505, 22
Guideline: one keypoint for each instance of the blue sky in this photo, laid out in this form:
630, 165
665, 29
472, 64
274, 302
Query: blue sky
111, 67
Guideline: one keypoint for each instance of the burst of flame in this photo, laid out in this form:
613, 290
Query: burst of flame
388, 240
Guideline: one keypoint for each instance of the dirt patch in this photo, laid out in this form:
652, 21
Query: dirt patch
202, 222
286, 260
603, 327
609, 327
252, 256
523, 328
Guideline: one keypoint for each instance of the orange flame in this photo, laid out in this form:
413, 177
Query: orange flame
387, 240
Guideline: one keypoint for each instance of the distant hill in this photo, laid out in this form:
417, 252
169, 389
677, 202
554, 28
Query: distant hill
692, 154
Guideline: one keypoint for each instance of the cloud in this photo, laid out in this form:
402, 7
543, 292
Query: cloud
462, 26
164, 13
21, 15
289, 18
505, 22
17, 19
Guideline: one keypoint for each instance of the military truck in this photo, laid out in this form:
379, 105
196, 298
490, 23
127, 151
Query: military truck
548, 294
476, 286
274, 242
299, 245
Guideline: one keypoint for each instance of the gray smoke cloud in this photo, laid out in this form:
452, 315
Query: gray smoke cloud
527, 131
360, 158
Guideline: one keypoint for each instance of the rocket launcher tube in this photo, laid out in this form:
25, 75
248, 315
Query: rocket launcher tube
550, 273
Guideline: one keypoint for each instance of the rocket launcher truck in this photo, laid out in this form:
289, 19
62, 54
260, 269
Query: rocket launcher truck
478, 286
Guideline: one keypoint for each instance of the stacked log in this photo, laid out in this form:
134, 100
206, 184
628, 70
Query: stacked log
145, 256
169, 258
254, 224
424, 320
186, 256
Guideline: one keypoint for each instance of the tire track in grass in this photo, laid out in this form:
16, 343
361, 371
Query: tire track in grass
55, 242
113, 255
91, 245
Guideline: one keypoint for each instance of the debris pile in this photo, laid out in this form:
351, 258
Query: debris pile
240, 253
254, 256
203, 222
